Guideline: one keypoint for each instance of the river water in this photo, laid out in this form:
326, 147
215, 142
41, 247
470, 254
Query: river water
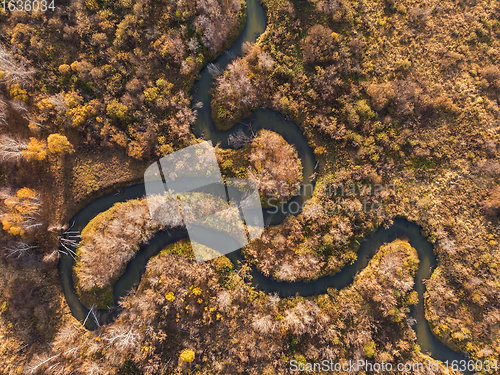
261, 119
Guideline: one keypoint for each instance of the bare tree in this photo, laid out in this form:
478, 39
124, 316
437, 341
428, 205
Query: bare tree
3, 113
5, 193
30, 222
27, 116
19, 249
14, 71
329, 6
46, 360
263, 324
266, 62
59, 102
193, 44
19, 106
11, 149
273, 300
214, 70
123, 337
39, 361
205, 24
94, 315
57, 227
224, 299
93, 368
69, 241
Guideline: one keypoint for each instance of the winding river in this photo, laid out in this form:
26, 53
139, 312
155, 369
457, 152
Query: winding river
261, 119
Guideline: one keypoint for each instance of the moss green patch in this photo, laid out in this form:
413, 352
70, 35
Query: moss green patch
222, 265
182, 248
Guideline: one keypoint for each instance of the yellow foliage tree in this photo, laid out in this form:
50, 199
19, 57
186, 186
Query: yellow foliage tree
17, 93
117, 110
36, 150
59, 144
72, 99
26, 193
81, 113
64, 69
45, 105
187, 355
74, 66
21, 211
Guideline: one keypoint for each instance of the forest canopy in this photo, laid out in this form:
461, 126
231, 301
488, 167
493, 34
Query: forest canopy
396, 93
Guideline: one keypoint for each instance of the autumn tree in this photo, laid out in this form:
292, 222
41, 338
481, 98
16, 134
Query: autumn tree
18, 93
319, 45
36, 150
59, 144
64, 69
242, 86
21, 212
274, 166
235, 85
380, 95
117, 110
492, 202
491, 74
187, 355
